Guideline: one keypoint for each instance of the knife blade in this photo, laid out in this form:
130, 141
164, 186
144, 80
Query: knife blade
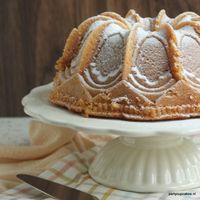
55, 190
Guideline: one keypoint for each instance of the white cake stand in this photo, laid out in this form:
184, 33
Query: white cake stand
147, 157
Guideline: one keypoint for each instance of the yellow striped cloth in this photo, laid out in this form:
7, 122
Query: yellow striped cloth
72, 170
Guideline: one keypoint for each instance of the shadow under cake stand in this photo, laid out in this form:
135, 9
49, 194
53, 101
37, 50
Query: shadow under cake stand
146, 157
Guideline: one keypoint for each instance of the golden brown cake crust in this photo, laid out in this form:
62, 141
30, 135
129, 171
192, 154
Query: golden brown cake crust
131, 68
169, 106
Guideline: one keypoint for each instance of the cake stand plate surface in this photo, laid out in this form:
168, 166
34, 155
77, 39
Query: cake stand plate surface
36, 104
147, 157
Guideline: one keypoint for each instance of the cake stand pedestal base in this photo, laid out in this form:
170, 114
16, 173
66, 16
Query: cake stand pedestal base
149, 164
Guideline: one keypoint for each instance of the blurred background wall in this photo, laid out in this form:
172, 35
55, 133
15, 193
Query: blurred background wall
33, 33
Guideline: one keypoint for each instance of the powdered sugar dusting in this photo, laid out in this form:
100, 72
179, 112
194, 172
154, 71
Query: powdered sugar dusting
95, 25
103, 76
76, 60
190, 58
120, 99
187, 18
106, 65
137, 75
112, 29
91, 82
183, 31
152, 59
131, 20
141, 33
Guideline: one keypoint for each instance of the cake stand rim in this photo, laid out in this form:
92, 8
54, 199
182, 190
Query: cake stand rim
38, 96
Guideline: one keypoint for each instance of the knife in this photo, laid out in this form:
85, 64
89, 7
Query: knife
55, 190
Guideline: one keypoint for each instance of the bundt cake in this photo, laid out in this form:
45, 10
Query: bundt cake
131, 68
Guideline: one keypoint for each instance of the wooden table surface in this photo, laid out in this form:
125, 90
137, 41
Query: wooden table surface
33, 32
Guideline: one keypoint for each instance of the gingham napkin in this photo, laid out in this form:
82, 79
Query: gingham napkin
72, 171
